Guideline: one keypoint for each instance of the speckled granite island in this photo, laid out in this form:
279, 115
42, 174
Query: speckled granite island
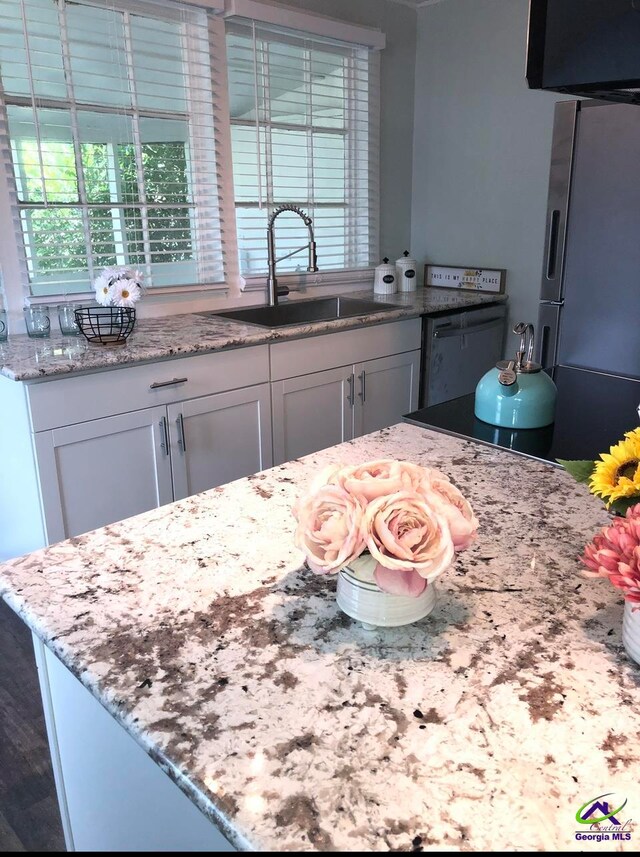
484, 726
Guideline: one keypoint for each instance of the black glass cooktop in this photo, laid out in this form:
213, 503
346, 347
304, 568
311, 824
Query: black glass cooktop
593, 412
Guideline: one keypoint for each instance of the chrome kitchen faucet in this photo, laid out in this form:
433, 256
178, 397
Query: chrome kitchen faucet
272, 283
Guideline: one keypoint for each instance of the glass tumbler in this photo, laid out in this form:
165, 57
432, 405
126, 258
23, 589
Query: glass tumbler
67, 319
4, 328
37, 320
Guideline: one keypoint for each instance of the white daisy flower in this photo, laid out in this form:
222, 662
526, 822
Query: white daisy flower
102, 286
117, 272
138, 276
125, 292
119, 286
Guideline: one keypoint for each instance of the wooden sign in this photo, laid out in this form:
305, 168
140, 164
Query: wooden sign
489, 280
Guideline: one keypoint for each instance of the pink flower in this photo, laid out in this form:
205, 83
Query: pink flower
327, 476
452, 505
380, 478
615, 553
329, 529
410, 519
371, 480
406, 537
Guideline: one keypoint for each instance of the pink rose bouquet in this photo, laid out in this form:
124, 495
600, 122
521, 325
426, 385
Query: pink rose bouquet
410, 519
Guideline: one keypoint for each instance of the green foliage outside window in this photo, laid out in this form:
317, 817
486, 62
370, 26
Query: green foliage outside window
56, 234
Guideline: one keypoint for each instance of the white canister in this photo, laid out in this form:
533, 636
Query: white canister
406, 273
384, 282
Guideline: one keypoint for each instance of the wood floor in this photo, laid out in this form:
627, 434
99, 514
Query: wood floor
29, 815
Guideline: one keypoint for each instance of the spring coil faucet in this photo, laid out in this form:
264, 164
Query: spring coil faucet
274, 290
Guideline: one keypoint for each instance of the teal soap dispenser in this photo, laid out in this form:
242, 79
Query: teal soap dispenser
517, 394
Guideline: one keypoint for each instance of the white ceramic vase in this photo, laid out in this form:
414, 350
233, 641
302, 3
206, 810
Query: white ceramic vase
360, 597
631, 630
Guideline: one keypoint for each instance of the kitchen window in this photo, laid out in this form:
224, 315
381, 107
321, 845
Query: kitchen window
134, 133
303, 131
108, 110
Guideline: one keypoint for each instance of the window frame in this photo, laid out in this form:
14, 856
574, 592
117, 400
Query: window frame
193, 31
349, 272
233, 283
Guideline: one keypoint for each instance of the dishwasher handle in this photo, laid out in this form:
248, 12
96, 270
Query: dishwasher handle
448, 332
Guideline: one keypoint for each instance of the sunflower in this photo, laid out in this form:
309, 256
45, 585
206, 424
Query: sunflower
617, 474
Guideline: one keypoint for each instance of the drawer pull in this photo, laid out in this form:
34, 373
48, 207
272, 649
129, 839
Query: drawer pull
170, 383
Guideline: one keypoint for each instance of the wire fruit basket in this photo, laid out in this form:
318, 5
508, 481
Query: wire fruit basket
108, 325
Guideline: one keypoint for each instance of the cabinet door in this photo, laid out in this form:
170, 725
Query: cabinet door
101, 471
217, 439
311, 412
385, 390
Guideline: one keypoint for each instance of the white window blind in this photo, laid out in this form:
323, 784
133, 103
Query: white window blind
107, 130
304, 130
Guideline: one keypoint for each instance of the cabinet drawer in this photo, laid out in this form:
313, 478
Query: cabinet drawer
331, 350
66, 401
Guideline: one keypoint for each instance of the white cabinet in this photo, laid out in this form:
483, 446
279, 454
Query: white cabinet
101, 471
113, 444
95, 473
113, 796
386, 389
311, 412
217, 439
314, 410
93, 449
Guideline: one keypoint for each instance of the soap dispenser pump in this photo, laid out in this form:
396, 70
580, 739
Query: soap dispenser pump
517, 393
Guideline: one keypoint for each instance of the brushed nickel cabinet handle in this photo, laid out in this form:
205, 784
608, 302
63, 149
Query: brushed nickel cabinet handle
362, 377
170, 383
182, 443
164, 436
350, 395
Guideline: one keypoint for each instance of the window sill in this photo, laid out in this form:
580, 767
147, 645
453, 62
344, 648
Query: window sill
296, 282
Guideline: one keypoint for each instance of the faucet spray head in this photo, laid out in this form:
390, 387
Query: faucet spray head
312, 267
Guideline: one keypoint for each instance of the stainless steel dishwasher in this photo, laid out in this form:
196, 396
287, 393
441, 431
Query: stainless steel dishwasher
457, 349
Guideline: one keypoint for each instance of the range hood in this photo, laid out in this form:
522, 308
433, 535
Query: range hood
586, 48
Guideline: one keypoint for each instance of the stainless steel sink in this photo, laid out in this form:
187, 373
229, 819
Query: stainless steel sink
302, 312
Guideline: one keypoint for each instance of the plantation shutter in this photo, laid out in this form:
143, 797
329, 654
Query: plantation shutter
304, 130
108, 130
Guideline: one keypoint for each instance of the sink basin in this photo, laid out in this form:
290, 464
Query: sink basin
302, 312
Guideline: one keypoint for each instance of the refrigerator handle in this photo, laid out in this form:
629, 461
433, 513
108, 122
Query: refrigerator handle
544, 346
547, 339
564, 134
552, 243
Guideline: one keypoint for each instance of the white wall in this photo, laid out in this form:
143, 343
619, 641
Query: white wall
482, 143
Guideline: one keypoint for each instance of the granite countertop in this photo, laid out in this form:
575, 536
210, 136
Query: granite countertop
484, 726
25, 359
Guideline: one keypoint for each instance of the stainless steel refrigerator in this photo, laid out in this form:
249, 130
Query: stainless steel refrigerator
590, 298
